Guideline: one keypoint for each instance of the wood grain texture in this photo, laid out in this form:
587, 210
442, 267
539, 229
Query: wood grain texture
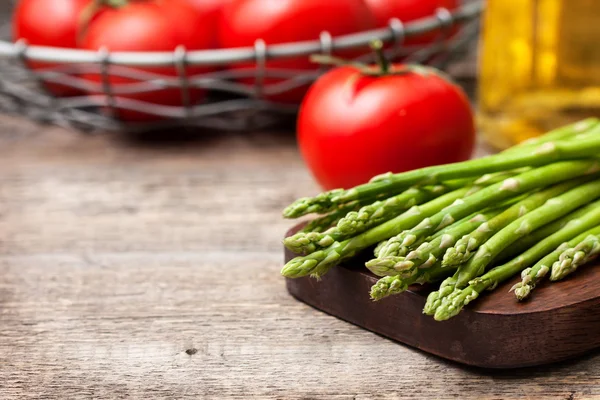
150, 269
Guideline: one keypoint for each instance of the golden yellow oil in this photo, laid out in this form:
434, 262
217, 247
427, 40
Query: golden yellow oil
539, 67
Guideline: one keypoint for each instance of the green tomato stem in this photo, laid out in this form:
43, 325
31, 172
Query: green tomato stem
382, 61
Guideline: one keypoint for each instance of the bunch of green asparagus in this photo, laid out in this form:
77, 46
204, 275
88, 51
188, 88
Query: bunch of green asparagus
532, 210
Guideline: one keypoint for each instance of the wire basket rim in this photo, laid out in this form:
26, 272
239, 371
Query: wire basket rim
396, 32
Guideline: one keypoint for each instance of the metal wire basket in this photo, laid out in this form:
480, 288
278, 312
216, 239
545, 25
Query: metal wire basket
231, 105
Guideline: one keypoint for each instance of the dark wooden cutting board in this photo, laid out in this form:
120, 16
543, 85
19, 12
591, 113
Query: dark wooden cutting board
560, 321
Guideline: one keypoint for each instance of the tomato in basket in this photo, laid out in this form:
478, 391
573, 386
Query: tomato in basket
287, 21
409, 10
355, 124
49, 23
148, 26
211, 11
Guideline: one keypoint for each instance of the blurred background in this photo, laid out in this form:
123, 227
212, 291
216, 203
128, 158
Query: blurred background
527, 68
237, 100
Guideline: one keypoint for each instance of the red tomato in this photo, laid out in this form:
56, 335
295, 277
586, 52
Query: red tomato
154, 25
49, 23
284, 21
210, 10
409, 10
353, 126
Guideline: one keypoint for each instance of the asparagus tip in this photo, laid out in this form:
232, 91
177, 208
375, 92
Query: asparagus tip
299, 267
297, 208
432, 303
522, 290
300, 243
453, 304
388, 286
562, 268
381, 266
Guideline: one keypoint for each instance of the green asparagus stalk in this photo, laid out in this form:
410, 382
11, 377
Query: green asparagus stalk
488, 179
509, 188
390, 285
574, 257
354, 223
325, 222
393, 247
428, 253
550, 211
466, 246
561, 133
531, 277
319, 262
543, 154
322, 204
534, 237
459, 298
381, 211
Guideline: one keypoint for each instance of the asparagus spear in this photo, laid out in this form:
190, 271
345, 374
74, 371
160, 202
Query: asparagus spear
322, 204
325, 222
459, 298
468, 244
543, 154
390, 285
381, 211
530, 279
550, 211
574, 257
428, 253
487, 179
393, 247
561, 133
532, 276
384, 244
539, 234
523, 183
319, 262
367, 217
378, 248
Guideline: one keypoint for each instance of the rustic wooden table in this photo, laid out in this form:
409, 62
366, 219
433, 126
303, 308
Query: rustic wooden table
150, 269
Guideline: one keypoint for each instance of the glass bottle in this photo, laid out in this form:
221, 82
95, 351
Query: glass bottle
539, 67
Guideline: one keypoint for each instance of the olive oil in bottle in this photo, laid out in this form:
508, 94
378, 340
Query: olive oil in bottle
539, 67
